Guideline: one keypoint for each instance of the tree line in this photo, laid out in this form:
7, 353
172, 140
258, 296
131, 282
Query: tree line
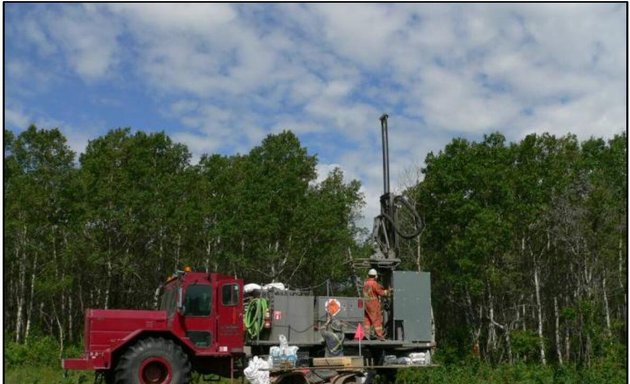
106, 230
526, 242
527, 246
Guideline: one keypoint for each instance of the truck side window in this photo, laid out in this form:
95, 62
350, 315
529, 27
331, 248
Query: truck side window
198, 300
229, 294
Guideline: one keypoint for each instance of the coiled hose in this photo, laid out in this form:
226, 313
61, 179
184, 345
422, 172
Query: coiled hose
255, 316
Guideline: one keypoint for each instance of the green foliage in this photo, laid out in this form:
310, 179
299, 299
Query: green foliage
106, 232
267, 219
508, 374
35, 374
37, 351
525, 344
518, 232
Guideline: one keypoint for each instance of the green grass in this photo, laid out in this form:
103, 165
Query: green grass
53, 375
45, 375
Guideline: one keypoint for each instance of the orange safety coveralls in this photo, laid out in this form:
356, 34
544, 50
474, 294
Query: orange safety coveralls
373, 316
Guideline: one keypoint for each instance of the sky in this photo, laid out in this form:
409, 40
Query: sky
221, 77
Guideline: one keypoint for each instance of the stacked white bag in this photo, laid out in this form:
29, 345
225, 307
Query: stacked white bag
257, 372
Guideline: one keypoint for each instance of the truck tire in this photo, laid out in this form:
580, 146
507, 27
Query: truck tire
292, 378
153, 361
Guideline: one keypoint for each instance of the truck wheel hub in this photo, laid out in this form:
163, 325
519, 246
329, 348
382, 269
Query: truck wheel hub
155, 371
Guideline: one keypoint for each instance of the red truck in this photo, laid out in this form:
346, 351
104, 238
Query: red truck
200, 324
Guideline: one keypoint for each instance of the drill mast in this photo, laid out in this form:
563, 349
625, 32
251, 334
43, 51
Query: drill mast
386, 232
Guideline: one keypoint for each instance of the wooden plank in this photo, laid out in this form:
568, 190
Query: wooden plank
341, 361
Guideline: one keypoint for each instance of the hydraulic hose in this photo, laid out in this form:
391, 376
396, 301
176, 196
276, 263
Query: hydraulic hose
255, 316
417, 220
395, 221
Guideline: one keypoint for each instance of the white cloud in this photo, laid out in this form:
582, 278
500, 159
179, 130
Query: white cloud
15, 118
200, 49
362, 33
88, 38
19, 119
197, 143
230, 74
177, 18
323, 170
34, 32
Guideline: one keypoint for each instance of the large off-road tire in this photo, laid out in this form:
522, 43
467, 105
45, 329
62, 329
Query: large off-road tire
292, 378
153, 361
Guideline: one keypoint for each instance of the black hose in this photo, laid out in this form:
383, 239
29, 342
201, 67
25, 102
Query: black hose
394, 221
417, 220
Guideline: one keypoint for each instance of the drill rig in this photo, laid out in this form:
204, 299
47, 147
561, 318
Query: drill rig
387, 233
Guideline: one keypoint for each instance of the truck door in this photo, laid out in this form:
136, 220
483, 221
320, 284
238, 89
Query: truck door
230, 317
199, 316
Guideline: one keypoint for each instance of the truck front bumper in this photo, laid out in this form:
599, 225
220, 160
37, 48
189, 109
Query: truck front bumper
77, 364
85, 363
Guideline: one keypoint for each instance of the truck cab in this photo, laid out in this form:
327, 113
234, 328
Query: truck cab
206, 310
199, 325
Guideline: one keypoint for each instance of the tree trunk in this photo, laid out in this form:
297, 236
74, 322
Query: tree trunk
29, 313
161, 253
156, 297
208, 252
70, 322
558, 342
606, 308
540, 317
491, 344
61, 334
508, 342
20, 302
41, 313
108, 284
567, 344
474, 324
567, 338
178, 250
19, 322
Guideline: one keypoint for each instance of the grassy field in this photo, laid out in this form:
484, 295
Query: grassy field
54, 375
45, 375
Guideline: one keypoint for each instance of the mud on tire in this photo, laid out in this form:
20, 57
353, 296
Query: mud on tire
153, 361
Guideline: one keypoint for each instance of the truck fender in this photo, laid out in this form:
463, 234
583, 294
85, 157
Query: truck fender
117, 350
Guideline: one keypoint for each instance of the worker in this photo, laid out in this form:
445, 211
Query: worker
333, 336
373, 318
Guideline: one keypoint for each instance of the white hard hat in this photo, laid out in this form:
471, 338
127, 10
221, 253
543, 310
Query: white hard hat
372, 272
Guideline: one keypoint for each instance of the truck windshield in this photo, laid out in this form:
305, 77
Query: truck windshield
169, 299
198, 299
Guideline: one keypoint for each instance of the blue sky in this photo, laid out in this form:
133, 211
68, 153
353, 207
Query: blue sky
220, 77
